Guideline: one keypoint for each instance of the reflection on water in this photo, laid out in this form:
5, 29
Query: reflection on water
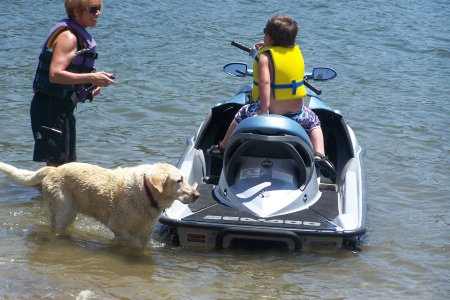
167, 58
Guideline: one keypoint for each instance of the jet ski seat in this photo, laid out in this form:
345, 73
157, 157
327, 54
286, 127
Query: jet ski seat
270, 136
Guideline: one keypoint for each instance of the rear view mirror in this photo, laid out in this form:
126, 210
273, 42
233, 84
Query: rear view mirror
236, 69
323, 74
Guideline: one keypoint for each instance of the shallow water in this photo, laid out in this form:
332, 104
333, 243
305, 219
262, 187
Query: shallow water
393, 61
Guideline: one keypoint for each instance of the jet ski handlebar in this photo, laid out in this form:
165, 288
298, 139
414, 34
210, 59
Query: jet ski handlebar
241, 46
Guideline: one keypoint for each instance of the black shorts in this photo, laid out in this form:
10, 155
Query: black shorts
53, 125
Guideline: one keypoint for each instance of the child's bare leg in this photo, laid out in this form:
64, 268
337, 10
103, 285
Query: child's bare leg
316, 137
224, 142
320, 160
230, 130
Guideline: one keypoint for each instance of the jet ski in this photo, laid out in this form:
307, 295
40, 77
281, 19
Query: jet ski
266, 186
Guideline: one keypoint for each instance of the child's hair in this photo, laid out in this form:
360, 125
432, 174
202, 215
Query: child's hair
283, 30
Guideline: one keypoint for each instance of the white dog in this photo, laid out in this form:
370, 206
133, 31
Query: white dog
127, 200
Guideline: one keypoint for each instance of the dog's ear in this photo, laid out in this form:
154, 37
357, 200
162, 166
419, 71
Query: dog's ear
158, 180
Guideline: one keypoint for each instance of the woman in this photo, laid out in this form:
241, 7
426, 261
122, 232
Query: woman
65, 76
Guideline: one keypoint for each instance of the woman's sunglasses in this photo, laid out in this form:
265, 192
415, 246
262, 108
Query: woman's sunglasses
94, 9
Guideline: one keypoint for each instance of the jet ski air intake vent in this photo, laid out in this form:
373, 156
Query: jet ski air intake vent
194, 237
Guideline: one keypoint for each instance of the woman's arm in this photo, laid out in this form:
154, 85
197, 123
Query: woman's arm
64, 48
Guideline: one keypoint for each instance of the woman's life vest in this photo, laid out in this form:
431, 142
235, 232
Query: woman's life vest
288, 73
83, 62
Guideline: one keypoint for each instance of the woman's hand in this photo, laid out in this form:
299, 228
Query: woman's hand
96, 91
102, 79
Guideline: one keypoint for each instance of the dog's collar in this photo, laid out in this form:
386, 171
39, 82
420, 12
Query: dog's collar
149, 194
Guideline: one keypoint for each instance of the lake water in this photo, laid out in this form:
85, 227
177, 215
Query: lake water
393, 61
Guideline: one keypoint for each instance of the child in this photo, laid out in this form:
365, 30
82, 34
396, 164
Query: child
280, 94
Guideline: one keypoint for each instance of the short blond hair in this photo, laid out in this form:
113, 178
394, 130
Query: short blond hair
81, 4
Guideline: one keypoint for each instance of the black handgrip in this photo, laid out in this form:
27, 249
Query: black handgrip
312, 87
241, 46
92, 87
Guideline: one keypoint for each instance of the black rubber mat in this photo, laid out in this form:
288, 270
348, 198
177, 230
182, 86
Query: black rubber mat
327, 205
206, 197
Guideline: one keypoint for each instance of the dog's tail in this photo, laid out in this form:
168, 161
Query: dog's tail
25, 177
